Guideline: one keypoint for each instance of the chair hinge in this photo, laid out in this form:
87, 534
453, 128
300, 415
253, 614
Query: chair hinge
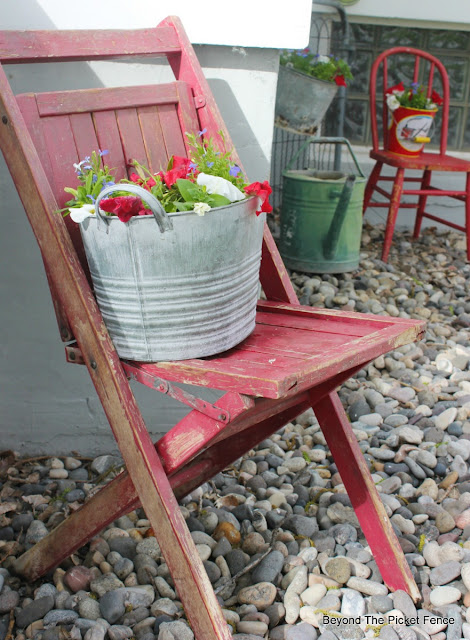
199, 102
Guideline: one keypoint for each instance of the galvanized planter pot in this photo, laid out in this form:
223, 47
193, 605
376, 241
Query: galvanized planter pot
302, 100
188, 291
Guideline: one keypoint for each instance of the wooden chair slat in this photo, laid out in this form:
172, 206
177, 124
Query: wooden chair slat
85, 100
174, 141
152, 136
109, 139
131, 137
37, 46
84, 134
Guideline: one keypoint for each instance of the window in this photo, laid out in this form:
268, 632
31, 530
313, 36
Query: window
451, 47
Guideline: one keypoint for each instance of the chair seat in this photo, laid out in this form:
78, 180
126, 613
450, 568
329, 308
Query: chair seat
430, 161
290, 350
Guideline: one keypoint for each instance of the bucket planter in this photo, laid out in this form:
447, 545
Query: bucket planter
179, 285
302, 100
409, 130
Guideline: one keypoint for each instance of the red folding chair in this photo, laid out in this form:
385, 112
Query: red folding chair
429, 71
295, 359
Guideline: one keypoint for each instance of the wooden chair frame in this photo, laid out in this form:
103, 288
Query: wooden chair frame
426, 163
314, 351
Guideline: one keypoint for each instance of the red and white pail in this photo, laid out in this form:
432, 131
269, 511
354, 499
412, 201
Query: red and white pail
409, 130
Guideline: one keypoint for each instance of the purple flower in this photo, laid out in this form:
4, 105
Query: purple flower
210, 164
234, 171
104, 152
192, 166
108, 184
91, 198
201, 133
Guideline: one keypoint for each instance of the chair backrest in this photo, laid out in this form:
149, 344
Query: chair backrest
146, 123
413, 65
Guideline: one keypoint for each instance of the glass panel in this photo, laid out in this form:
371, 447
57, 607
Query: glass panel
453, 137
360, 67
399, 37
466, 139
457, 69
453, 40
363, 34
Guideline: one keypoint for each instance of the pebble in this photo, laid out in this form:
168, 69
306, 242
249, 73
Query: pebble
410, 411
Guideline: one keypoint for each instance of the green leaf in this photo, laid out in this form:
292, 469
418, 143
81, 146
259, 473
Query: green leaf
73, 192
190, 192
216, 200
184, 206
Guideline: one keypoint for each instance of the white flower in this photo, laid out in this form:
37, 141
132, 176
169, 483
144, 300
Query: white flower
221, 186
322, 59
201, 208
78, 214
392, 102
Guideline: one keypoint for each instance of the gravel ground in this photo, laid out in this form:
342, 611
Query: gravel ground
276, 531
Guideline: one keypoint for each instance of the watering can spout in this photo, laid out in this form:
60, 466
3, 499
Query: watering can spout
330, 244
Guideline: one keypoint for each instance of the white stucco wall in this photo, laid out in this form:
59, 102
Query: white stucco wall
45, 404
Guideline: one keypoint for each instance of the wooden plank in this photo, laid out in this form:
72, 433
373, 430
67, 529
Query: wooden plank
107, 132
174, 143
273, 273
376, 322
189, 122
89, 44
131, 136
363, 495
321, 325
84, 134
106, 372
152, 136
105, 99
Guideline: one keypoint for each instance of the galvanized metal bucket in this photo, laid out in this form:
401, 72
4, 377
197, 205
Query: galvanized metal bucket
302, 100
186, 287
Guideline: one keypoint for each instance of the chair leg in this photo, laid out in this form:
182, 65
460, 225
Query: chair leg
393, 212
370, 186
425, 182
467, 213
363, 494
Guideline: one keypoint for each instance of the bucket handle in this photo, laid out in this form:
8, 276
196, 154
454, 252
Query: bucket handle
326, 140
159, 213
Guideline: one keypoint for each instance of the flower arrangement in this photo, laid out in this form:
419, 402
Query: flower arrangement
206, 180
413, 96
327, 68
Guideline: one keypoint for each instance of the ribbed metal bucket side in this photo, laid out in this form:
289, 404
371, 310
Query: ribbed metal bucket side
186, 293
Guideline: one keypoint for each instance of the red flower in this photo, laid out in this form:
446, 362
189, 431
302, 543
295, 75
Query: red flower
340, 81
436, 98
398, 87
124, 207
146, 184
262, 190
179, 169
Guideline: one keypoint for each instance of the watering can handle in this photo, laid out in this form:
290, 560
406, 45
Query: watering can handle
160, 215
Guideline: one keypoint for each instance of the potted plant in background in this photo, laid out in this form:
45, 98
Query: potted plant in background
306, 86
174, 256
412, 113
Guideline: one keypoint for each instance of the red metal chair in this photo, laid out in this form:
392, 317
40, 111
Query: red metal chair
295, 359
426, 163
